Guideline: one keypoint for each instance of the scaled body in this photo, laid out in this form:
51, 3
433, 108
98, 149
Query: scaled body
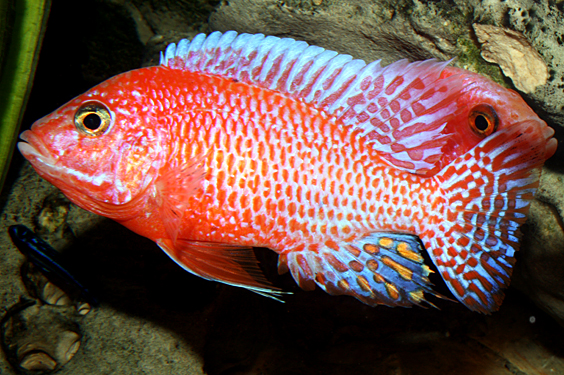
338, 166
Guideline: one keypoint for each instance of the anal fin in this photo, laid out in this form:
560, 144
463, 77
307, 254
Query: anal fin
225, 263
378, 269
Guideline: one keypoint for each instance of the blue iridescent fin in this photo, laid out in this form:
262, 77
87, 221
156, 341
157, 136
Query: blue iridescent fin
378, 269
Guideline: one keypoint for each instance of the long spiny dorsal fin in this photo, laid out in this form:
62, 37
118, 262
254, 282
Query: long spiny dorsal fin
402, 108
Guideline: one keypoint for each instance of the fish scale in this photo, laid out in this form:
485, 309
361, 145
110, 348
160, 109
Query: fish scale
348, 170
285, 166
302, 223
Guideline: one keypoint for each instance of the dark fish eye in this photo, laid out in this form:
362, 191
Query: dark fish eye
92, 119
483, 120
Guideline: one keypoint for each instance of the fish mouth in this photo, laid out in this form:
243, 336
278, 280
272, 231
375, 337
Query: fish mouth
34, 150
551, 144
547, 132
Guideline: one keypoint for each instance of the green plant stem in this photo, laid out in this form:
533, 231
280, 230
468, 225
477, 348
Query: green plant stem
18, 69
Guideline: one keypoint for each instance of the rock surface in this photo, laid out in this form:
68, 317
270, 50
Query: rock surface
514, 54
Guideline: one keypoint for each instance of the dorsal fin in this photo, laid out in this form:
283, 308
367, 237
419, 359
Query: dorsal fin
402, 108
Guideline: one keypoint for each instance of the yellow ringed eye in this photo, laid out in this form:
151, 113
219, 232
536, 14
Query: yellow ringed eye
483, 120
92, 119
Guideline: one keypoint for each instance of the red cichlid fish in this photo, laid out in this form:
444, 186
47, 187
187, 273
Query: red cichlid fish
344, 169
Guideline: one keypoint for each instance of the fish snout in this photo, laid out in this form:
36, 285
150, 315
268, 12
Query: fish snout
550, 141
34, 149
539, 130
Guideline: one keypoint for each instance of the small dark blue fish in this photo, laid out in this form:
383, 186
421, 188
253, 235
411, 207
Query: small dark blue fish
46, 259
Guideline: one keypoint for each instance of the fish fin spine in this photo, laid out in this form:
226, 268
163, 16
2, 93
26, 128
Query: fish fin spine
228, 264
377, 269
401, 109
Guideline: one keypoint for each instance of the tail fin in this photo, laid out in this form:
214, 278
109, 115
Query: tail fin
486, 196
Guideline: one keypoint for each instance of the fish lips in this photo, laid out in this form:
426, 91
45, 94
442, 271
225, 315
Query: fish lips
551, 143
36, 152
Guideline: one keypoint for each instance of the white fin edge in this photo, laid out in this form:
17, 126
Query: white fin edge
384, 103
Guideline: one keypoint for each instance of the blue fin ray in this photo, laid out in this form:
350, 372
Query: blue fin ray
378, 269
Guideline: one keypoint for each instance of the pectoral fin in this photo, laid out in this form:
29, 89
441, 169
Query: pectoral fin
228, 264
225, 263
174, 188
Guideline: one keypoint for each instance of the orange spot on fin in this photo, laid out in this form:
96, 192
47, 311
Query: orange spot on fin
228, 264
389, 269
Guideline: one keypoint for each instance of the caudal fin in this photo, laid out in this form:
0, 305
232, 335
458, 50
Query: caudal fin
487, 191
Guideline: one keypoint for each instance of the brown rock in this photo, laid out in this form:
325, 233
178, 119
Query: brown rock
514, 54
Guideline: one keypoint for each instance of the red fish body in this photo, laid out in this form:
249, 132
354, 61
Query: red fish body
338, 166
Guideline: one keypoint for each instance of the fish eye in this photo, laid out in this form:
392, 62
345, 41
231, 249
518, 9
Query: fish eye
483, 120
92, 119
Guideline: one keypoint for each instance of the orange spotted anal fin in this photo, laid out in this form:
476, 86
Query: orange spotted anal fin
228, 264
487, 193
378, 269
402, 108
